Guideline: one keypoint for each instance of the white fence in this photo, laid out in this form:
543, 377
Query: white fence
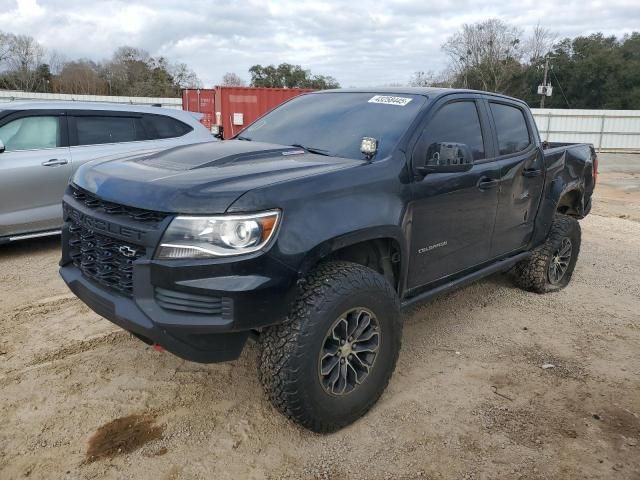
17, 95
607, 130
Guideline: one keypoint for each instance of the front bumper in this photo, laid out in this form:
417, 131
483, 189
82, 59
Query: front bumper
254, 302
201, 310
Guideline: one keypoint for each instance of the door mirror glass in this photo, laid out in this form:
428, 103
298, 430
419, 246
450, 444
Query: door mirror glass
444, 157
1, 147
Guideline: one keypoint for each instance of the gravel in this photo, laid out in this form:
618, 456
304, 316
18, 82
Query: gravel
66, 374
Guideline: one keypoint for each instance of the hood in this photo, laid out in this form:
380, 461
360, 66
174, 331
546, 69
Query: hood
202, 178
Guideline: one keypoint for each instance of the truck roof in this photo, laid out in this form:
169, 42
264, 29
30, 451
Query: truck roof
431, 92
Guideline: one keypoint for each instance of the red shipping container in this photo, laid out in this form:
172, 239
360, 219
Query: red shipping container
200, 100
235, 107
240, 106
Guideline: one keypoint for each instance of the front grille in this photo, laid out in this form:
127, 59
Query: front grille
105, 260
95, 203
193, 303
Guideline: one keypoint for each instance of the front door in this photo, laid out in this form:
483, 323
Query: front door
34, 171
452, 214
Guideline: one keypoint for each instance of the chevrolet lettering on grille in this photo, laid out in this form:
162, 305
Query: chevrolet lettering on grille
93, 223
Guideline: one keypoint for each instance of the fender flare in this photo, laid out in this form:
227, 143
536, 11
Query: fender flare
327, 247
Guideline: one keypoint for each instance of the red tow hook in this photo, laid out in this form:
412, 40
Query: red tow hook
158, 348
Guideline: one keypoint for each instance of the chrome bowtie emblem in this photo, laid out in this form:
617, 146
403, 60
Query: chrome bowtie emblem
127, 251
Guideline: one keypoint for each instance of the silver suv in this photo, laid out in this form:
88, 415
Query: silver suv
43, 143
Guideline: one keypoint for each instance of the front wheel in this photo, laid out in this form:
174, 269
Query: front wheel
551, 265
328, 364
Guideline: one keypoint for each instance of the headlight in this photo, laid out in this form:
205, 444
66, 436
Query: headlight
218, 236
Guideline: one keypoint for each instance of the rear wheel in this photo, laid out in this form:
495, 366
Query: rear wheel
551, 265
328, 364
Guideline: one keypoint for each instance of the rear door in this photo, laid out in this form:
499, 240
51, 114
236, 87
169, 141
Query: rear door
452, 214
34, 171
521, 164
97, 134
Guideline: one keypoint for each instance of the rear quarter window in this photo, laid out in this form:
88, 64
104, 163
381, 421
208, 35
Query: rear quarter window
159, 126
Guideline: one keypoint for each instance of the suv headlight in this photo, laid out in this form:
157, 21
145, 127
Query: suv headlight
217, 236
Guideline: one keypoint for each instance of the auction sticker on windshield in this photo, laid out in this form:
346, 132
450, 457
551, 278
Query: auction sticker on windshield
390, 100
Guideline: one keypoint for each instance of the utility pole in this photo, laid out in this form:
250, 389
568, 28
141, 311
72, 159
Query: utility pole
544, 82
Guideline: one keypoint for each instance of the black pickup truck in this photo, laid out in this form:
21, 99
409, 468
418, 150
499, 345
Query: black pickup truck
316, 225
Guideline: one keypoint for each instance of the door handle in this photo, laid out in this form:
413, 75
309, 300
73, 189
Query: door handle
531, 172
54, 162
486, 183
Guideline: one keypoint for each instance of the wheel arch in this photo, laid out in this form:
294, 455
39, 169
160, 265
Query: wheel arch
381, 248
570, 202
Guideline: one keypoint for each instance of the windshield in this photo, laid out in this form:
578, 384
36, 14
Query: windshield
335, 123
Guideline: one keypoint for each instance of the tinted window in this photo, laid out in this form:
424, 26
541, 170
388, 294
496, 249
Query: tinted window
95, 130
456, 122
31, 133
336, 122
511, 128
158, 126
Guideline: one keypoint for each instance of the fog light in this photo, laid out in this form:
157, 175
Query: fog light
369, 146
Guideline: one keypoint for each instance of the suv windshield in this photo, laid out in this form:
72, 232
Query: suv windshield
335, 123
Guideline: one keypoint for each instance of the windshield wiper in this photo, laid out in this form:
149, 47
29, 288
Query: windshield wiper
317, 151
242, 137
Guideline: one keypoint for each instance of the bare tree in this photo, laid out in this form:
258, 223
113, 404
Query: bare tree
184, 77
127, 53
483, 54
231, 79
539, 43
422, 79
56, 61
81, 77
6, 42
24, 57
430, 79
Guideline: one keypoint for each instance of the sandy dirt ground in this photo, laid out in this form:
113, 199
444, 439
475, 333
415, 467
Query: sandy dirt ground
80, 398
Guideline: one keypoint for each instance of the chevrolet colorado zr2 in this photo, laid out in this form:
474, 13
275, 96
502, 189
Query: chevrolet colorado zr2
311, 230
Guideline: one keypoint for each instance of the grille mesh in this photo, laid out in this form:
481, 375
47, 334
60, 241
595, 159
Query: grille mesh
101, 258
95, 203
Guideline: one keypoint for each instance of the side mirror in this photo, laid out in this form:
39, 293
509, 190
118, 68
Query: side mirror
2, 147
447, 157
216, 131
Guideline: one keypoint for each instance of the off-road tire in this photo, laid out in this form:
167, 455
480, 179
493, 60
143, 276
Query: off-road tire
532, 274
289, 352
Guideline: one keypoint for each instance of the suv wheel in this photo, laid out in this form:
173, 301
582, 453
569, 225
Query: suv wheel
328, 364
550, 266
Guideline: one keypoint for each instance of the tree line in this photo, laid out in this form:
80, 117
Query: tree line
284, 75
594, 71
26, 65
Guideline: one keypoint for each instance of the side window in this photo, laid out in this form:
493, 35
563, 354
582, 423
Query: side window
158, 126
511, 127
93, 130
31, 133
457, 122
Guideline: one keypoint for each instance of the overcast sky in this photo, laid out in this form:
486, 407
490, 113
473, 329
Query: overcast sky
358, 42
